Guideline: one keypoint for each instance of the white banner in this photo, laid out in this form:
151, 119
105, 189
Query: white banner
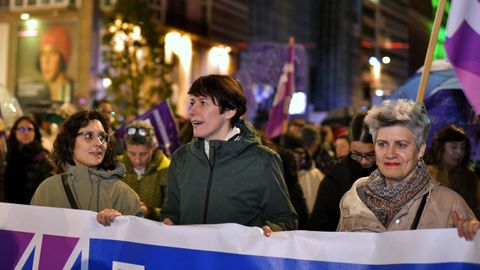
33, 237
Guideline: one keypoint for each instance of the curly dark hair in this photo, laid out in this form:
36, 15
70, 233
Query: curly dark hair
13, 143
449, 133
62, 154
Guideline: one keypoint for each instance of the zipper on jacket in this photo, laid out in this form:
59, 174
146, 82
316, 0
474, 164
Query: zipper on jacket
209, 185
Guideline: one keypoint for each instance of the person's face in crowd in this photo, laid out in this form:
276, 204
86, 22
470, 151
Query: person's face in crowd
206, 119
328, 134
50, 63
453, 154
342, 147
25, 132
363, 153
106, 109
396, 152
140, 155
90, 145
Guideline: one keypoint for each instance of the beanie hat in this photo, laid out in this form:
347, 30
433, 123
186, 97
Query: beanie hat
59, 39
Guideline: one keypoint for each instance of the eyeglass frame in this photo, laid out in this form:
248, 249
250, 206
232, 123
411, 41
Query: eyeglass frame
370, 156
84, 134
139, 131
25, 130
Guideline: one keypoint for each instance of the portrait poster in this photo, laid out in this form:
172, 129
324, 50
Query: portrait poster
46, 63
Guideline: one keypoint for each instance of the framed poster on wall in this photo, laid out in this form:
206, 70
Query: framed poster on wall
46, 62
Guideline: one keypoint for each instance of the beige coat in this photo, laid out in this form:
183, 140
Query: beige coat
441, 202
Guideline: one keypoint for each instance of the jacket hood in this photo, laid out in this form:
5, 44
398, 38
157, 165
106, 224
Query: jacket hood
101, 174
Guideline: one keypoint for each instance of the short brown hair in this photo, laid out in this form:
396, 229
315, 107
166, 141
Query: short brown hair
224, 90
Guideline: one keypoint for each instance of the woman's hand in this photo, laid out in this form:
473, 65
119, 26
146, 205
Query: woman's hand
267, 231
168, 221
466, 228
144, 209
107, 215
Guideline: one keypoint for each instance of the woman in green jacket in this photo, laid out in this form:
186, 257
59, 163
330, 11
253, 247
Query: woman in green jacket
147, 167
225, 174
89, 177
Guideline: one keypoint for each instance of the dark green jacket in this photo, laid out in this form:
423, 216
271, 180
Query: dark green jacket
242, 183
152, 185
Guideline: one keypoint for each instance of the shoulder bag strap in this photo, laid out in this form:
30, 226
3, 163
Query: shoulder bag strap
419, 212
68, 191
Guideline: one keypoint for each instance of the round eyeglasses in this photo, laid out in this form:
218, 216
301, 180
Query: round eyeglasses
89, 136
370, 156
139, 130
25, 129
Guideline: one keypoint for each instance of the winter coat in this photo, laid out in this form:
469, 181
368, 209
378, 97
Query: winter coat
152, 185
297, 198
27, 166
92, 189
242, 183
461, 180
339, 177
310, 181
437, 213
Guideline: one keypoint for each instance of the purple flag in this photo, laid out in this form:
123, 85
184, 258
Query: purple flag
286, 85
462, 46
3, 142
165, 127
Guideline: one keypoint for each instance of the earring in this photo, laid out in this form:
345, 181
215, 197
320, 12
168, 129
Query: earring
420, 161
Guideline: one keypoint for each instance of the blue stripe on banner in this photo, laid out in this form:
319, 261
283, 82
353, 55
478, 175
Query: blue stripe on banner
103, 254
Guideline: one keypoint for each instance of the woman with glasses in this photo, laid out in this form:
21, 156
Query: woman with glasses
27, 164
147, 167
88, 176
401, 194
341, 174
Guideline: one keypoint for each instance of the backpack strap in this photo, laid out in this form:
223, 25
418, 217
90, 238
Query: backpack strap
68, 191
419, 212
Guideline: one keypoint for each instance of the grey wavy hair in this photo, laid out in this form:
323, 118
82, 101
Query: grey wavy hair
136, 139
400, 112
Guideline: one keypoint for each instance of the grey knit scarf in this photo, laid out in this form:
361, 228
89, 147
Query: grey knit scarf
385, 202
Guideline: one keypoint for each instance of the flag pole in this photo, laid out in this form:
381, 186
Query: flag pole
430, 50
291, 43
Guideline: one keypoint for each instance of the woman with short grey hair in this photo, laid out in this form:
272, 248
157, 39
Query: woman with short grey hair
401, 194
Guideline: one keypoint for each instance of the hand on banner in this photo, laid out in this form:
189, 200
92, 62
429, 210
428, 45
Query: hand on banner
466, 228
144, 209
168, 221
267, 231
107, 215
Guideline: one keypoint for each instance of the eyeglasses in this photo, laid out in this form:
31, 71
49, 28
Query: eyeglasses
370, 156
139, 130
111, 113
25, 129
89, 136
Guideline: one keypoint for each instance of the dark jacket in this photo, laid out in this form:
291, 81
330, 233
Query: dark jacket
242, 183
27, 166
297, 197
461, 180
339, 177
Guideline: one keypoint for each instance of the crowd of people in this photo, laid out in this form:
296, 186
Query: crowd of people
376, 175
